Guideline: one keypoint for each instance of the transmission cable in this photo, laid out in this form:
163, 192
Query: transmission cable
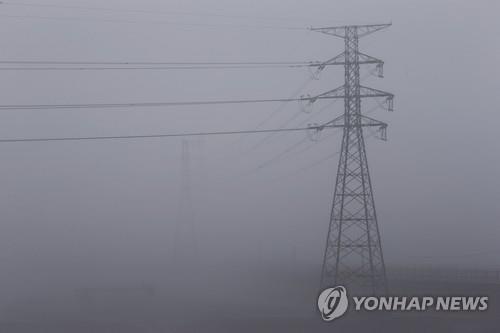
37, 65
321, 161
144, 11
147, 104
152, 68
178, 23
297, 114
165, 135
169, 63
286, 153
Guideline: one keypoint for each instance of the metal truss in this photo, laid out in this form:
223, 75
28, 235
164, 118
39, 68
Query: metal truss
353, 253
341, 60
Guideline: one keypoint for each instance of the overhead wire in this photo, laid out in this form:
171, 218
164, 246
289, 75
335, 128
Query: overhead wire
66, 62
313, 114
164, 135
285, 154
268, 137
144, 104
280, 108
178, 66
147, 68
321, 161
334, 132
298, 113
37, 65
163, 22
326, 107
279, 156
144, 11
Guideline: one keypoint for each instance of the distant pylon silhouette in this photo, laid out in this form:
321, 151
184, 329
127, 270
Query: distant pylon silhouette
353, 254
185, 245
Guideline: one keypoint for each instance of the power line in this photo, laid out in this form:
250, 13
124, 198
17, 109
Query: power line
292, 118
314, 143
319, 141
278, 157
144, 11
268, 137
150, 68
297, 114
285, 154
40, 65
336, 132
282, 106
326, 107
147, 104
166, 135
156, 63
322, 160
187, 24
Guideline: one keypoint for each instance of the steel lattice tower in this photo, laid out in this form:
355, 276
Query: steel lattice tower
185, 246
353, 254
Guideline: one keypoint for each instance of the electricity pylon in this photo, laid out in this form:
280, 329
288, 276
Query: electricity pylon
353, 254
185, 246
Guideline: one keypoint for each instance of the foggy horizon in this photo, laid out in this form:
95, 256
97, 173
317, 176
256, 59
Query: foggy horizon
105, 214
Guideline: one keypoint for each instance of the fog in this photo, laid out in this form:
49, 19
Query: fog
105, 214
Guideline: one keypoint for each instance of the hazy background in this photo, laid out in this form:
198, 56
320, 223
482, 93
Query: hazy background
88, 214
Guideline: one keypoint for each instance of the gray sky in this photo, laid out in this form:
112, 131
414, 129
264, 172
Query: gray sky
101, 209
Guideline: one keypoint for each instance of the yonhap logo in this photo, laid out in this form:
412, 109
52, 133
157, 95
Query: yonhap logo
333, 303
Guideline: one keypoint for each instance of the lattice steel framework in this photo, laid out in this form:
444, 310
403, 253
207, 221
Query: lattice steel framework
353, 254
185, 246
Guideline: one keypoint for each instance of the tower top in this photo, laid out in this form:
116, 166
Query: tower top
362, 30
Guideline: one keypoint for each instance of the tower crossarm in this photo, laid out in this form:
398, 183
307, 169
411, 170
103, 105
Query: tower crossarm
380, 125
363, 30
364, 121
366, 59
371, 92
338, 92
341, 60
364, 92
